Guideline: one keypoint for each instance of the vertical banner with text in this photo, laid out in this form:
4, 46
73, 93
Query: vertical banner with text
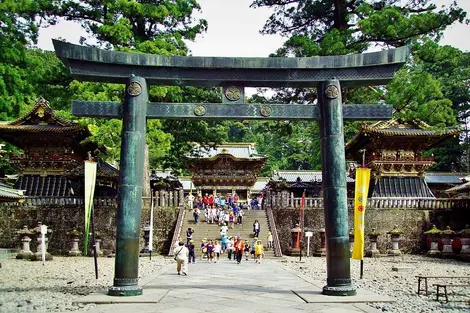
90, 180
360, 201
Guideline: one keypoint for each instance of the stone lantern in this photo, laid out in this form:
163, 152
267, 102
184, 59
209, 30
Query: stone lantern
146, 236
38, 253
373, 251
395, 236
322, 250
433, 237
351, 241
446, 239
295, 232
74, 238
465, 240
25, 235
98, 240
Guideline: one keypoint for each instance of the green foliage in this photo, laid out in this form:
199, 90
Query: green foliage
155, 26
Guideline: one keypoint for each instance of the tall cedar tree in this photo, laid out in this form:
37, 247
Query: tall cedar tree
334, 27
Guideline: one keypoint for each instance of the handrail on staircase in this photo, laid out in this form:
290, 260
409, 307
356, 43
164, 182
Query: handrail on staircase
272, 226
178, 227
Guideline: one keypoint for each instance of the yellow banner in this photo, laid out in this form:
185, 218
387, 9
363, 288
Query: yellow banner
90, 180
360, 201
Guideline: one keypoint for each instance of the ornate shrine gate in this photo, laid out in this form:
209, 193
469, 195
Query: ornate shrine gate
138, 71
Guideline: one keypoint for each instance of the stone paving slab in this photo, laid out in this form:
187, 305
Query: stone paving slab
230, 287
316, 296
150, 296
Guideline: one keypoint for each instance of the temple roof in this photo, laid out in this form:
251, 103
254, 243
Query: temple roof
238, 150
400, 134
8, 194
398, 187
41, 120
443, 177
305, 176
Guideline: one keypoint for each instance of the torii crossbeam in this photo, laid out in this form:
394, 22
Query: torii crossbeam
138, 71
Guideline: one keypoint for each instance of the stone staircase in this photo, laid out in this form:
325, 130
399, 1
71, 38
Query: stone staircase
211, 231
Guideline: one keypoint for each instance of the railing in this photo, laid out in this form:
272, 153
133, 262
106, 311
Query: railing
272, 226
60, 201
388, 203
178, 227
164, 198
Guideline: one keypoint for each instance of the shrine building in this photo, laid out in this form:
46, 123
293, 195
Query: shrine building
394, 151
52, 161
227, 169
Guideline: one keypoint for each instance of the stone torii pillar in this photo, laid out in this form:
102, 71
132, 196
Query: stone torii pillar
233, 74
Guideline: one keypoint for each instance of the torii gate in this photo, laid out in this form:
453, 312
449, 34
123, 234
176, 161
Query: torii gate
138, 71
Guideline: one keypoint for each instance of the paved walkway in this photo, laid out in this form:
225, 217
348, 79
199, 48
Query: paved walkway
228, 287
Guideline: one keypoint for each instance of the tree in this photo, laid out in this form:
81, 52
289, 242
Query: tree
326, 27
157, 27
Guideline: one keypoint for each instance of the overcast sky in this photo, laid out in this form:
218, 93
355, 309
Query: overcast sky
234, 30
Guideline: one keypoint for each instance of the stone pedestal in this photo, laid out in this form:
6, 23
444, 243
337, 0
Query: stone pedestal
373, 251
38, 254
322, 250
146, 236
465, 246
98, 247
447, 247
434, 249
74, 251
395, 249
294, 250
25, 252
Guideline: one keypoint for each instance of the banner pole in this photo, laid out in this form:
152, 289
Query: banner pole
95, 252
361, 270
151, 225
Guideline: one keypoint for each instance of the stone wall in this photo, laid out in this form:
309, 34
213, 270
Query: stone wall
63, 219
413, 222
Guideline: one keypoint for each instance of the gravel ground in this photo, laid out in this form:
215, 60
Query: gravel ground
27, 286
401, 286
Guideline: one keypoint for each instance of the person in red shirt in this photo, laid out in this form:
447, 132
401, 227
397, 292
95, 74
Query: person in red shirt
205, 200
239, 248
211, 200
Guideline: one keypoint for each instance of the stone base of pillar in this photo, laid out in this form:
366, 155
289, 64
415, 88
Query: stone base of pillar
25, 255
75, 253
348, 290
373, 253
433, 252
394, 252
125, 291
320, 252
295, 252
38, 256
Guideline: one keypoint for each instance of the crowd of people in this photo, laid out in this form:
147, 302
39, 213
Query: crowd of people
226, 213
218, 209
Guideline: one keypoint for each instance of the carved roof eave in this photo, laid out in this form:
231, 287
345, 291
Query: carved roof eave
260, 159
61, 127
366, 132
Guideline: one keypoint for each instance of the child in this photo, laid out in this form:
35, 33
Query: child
230, 248
253, 244
270, 240
196, 215
231, 220
247, 249
217, 249
259, 251
210, 250
203, 248
224, 243
192, 255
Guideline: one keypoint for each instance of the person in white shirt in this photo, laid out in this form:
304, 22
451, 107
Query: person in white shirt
223, 230
217, 249
190, 201
181, 254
